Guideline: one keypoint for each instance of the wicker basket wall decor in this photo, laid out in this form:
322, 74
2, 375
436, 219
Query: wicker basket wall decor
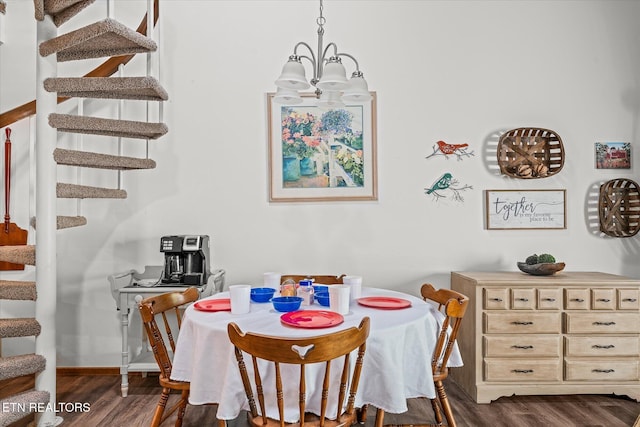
530, 153
619, 208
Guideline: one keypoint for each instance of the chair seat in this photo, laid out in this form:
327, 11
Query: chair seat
175, 385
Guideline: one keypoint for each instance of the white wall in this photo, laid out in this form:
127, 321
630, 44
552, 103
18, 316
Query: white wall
460, 71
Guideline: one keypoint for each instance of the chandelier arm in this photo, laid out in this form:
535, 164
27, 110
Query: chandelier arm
352, 58
324, 53
312, 59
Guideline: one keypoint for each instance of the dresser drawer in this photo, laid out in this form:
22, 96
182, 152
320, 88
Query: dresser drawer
606, 323
628, 299
522, 346
576, 299
603, 345
601, 369
522, 370
549, 299
522, 323
603, 299
496, 298
523, 299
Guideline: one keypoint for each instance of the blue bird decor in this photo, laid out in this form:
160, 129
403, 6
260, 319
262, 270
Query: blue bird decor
447, 184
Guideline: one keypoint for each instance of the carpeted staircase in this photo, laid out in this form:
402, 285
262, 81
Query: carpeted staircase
101, 39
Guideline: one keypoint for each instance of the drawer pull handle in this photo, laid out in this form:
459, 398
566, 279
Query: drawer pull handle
523, 371
522, 347
603, 300
603, 371
577, 299
522, 299
603, 346
604, 323
629, 300
548, 299
496, 299
521, 323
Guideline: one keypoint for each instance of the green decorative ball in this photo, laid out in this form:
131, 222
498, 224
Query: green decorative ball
546, 258
532, 259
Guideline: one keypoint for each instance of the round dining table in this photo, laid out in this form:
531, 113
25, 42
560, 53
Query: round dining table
397, 362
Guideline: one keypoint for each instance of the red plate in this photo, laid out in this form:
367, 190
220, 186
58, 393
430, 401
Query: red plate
312, 319
386, 303
220, 304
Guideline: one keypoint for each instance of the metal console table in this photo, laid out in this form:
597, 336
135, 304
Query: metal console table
130, 287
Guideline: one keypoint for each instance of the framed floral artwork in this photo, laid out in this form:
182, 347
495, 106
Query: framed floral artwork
320, 154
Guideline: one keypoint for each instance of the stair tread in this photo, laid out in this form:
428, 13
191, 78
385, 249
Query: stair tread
19, 405
99, 160
60, 10
75, 191
20, 254
18, 366
107, 127
63, 221
19, 327
18, 290
135, 88
101, 39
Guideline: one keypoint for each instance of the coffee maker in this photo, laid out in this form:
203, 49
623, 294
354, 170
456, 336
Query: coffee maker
186, 260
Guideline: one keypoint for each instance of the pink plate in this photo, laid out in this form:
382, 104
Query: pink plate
312, 319
386, 303
220, 304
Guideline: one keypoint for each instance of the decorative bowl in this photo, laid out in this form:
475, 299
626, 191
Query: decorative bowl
286, 304
261, 294
323, 298
541, 269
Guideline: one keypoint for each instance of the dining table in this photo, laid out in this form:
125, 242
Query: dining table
396, 367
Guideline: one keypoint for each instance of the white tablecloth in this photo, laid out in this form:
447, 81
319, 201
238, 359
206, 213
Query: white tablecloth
397, 362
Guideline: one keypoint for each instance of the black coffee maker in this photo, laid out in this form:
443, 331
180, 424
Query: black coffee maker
186, 260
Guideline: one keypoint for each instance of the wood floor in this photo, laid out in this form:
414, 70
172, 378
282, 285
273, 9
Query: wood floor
107, 408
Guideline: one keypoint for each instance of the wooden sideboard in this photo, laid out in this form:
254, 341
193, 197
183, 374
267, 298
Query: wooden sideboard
569, 333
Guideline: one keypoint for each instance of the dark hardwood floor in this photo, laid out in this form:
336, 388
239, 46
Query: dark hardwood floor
109, 409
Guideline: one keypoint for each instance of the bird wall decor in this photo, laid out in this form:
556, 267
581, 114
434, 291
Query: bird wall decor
443, 149
447, 184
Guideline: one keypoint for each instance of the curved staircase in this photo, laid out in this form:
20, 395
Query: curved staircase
100, 39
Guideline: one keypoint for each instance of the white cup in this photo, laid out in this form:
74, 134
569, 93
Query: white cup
240, 299
272, 280
339, 298
355, 283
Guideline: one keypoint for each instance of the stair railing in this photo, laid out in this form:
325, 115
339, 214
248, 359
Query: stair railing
43, 144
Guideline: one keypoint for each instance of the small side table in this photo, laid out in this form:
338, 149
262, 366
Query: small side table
128, 288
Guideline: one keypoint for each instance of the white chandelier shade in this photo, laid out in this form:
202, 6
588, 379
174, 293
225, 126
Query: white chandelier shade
293, 75
287, 96
358, 90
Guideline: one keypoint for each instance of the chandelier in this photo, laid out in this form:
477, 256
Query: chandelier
329, 75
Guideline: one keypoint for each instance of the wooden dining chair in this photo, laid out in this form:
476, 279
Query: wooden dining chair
154, 310
452, 305
320, 279
302, 351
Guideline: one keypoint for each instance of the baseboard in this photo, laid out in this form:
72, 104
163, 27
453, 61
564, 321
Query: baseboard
92, 370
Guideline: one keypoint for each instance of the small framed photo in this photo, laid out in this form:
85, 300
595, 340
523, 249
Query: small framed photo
526, 209
321, 155
613, 155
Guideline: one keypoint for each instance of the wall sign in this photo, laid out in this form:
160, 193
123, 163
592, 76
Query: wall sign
525, 209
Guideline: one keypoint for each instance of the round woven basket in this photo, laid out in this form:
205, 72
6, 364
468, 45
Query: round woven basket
529, 153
